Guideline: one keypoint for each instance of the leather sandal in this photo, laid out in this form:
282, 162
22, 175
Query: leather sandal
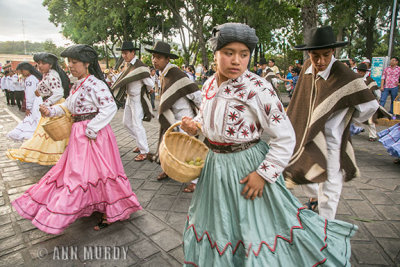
311, 205
189, 188
136, 150
140, 157
162, 176
102, 224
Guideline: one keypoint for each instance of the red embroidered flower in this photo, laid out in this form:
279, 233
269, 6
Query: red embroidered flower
272, 92
241, 95
245, 132
276, 118
264, 167
227, 90
231, 131
233, 116
258, 83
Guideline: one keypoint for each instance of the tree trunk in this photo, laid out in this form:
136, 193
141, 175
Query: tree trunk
309, 15
339, 37
256, 54
370, 25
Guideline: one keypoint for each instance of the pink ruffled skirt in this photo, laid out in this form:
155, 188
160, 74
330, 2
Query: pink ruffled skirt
88, 177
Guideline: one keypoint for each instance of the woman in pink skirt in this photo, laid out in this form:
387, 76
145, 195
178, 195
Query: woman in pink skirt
89, 176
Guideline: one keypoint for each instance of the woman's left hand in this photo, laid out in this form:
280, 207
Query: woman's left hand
254, 185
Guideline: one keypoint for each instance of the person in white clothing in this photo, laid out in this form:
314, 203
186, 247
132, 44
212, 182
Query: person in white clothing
179, 95
136, 81
327, 98
27, 127
18, 84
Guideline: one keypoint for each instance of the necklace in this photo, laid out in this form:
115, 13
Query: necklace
208, 89
73, 92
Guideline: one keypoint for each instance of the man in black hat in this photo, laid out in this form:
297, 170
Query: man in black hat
135, 81
179, 95
327, 98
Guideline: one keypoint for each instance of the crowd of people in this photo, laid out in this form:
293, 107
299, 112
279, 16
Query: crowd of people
241, 206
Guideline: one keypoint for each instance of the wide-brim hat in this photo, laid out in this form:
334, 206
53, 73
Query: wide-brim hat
263, 61
321, 38
162, 48
362, 67
127, 45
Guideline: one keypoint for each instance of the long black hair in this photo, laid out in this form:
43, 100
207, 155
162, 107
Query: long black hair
32, 70
53, 61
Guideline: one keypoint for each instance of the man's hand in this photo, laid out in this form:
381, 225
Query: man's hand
27, 112
254, 185
37, 93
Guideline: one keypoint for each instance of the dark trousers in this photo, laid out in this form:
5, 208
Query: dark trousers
12, 98
152, 97
19, 98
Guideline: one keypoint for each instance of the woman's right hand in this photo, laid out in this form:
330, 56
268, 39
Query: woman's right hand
189, 125
37, 93
44, 111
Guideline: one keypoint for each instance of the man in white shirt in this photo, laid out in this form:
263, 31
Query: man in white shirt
10, 87
19, 89
179, 95
327, 98
136, 82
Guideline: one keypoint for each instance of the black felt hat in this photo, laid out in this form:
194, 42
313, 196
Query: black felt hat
263, 61
162, 48
321, 38
362, 67
127, 45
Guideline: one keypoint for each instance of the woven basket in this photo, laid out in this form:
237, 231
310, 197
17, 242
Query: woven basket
59, 128
175, 149
396, 105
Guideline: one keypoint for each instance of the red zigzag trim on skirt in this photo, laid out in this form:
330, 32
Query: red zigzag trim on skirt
256, 253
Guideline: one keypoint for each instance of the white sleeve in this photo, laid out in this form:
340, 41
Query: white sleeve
195, 97
54, 84
276, 124
364, 111
149, 83
30, 88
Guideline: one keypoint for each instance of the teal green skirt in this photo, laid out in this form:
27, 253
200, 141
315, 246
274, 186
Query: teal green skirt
225, 229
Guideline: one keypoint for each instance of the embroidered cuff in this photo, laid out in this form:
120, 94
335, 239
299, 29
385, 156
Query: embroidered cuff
90, 133
53, 111
269, 172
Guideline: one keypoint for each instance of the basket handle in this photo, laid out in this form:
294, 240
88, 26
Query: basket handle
176, 124
397, 98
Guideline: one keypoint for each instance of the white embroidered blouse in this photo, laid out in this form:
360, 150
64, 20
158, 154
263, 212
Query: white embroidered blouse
50, 86
89, 95
240, 110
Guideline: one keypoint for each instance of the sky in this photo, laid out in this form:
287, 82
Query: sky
34, 15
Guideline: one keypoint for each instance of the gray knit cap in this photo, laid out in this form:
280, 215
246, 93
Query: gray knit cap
233, 32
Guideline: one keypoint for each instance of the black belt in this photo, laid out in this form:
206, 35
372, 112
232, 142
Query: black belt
229, 148
83, 117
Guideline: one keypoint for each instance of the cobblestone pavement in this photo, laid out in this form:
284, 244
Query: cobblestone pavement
153, 236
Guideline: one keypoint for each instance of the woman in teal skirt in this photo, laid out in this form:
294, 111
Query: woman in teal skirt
241, 213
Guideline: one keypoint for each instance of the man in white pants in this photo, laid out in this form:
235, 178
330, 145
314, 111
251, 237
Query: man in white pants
327, 98
136, 81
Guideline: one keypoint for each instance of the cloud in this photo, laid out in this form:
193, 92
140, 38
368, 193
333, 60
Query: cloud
34, 15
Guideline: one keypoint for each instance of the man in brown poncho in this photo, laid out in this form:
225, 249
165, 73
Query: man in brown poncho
327, 98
